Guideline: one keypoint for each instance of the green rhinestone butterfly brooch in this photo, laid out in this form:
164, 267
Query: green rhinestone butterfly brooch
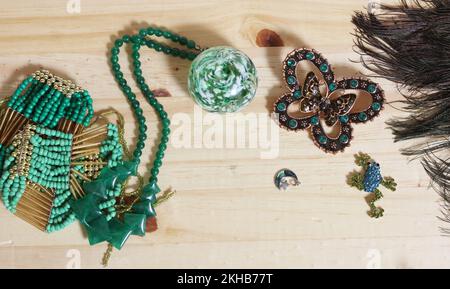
336, 103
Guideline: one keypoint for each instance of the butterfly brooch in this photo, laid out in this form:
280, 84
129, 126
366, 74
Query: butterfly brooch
336, 103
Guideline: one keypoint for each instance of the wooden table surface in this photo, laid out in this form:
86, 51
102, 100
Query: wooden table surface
227, 212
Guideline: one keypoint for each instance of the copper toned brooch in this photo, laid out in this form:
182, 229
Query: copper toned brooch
335, 103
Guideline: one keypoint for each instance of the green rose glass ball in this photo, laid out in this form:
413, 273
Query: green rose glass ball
222, 79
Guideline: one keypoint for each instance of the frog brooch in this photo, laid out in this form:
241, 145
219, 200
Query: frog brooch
369, 180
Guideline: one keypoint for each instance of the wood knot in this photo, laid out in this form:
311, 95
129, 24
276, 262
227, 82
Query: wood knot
268, 38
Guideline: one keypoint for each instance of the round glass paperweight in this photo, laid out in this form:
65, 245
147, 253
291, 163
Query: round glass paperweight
222, 79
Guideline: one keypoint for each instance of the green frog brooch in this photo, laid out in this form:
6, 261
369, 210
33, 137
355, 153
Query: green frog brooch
369, 180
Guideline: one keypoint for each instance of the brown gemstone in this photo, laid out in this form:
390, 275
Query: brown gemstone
151, 225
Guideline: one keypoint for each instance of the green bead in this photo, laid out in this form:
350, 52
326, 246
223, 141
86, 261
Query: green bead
362, 116
183, 40
281, 106
332, 87
159, 107
167, 34
291, 80
157, 163
292, 123
324, 67
190, 44
183, 54
163, 115
354, 83
323, 139
314, 120
297, 94
291, 62
143, 32
158, 47
191, 56
376, 106
135, 39
175, 52
167, 50
141, 145
343, 139
343, 118
372, 88
310, 56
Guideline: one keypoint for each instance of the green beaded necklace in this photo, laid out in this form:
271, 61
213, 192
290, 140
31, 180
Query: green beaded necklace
137, 41
132, 211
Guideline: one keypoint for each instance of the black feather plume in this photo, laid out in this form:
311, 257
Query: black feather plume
409, 44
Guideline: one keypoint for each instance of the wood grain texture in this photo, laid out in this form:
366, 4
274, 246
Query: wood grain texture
226, 212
